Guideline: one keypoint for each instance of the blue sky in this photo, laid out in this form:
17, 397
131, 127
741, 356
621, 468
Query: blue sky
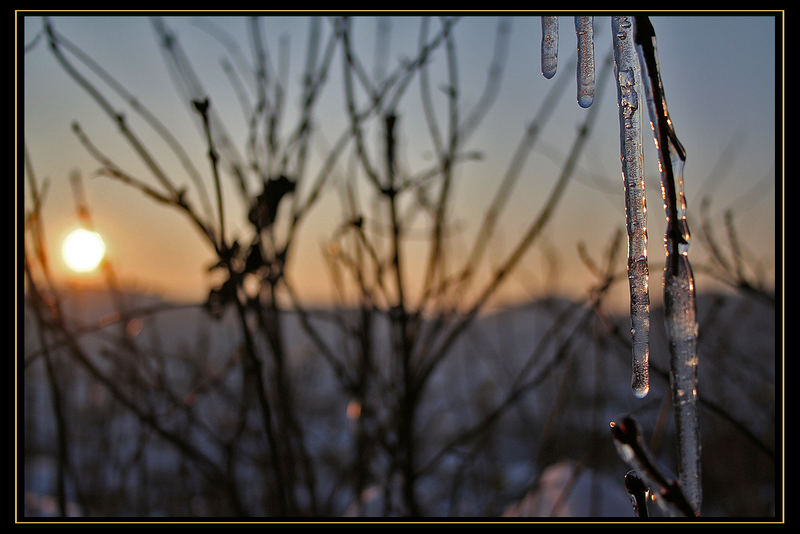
719, 77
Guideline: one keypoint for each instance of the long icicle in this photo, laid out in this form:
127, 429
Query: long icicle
679, 291
584, 31
627, 76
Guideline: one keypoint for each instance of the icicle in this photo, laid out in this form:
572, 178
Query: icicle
626, 73
549, 46
679, 291
585, 34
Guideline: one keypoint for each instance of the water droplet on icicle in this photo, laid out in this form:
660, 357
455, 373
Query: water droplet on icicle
584, 32
549, 46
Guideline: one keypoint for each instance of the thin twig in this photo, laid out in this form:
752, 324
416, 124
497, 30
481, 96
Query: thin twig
633, 451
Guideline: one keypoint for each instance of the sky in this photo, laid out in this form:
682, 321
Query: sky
719, 74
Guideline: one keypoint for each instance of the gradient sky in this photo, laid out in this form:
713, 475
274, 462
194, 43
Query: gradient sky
718, 73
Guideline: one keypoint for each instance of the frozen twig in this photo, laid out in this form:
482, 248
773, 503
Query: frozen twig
638, 491
679, 288
632, 450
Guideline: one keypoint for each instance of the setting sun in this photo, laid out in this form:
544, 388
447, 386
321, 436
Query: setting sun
83, 250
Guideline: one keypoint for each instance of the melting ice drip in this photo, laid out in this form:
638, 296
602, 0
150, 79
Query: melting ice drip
634, 53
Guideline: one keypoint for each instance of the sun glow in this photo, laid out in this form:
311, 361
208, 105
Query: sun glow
83, 250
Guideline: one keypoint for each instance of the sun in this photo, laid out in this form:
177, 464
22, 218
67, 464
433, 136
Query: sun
83, 250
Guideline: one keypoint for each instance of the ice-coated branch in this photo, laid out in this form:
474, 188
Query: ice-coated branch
679, 291
637, 489
631, 448
626, 70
